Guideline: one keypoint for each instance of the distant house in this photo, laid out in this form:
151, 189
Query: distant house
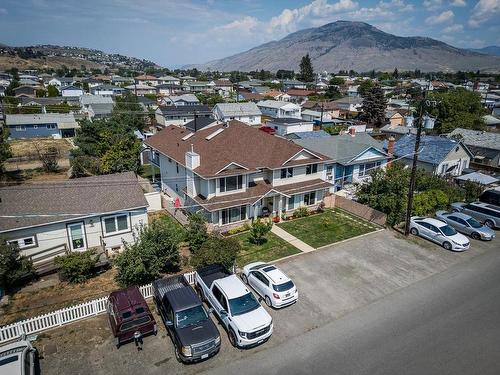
293, 84
324, 106
224, 87
28, 82
61, 81
178, 100
352, 156
349, 104
25, 91
485, 147
165, 89
173, 115
141, 89
146, 103
312, 115
86, 100
352, 91
287, 125
107, 90
299, 95
438, 155
169, 80
395, 118
91, 82
248, 113
146, 80
200, 123
58, 217
278, 109
57, 125
71, 91
100, 110
199, 86
309, 134
249, 96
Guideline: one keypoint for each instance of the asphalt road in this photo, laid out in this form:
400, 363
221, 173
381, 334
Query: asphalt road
448, 323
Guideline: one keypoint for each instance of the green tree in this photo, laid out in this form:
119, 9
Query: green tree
458, 108
78, 266
197, 232
52, 91
9, 91
472, 190
395, 74
427, 202
365, 86
259, 230
41, 93
336, 81
374, 105
156, 250
217, 250
13, 266
306, 69
5, 151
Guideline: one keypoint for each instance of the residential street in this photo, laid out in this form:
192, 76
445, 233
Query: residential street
446, 324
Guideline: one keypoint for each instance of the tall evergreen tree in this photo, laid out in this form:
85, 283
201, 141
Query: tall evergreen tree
306, 69
374, 104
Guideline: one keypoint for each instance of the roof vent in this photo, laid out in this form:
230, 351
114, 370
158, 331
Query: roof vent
187, 136
215, 133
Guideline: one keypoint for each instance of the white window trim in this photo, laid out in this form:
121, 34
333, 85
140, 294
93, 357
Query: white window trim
16, 240
108, 234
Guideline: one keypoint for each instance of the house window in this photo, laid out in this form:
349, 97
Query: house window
24, 243
230, 183
286, 172
115, 224
35, 126
177, 167
364, 169
444, 167
20, 128
51, 126
310, 198
76, 236
292, 201
232, 215
312, 168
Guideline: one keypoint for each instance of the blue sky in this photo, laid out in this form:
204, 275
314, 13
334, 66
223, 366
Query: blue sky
173, 33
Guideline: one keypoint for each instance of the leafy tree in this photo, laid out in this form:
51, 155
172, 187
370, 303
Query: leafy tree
426, 202
458, 108
217, 250
374, 105
52, 91
395, 74
9, 91
13, 266
472, 190
77, 266
285, 74
5, 151
197, 232
365, 86
259, 230
336, 81
40, 93
156, 250
306, 69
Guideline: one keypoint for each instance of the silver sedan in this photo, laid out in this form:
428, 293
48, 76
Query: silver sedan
466, 224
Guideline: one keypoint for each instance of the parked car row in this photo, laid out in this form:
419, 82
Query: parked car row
193, 333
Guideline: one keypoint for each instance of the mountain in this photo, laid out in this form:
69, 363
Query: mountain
50, 56
345, 45
490, 50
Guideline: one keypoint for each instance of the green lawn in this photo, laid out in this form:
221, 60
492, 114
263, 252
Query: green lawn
273, 248
146, 172
326, 228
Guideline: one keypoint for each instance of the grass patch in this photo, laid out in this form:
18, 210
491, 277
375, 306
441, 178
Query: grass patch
273, 248
328, 227
146, 172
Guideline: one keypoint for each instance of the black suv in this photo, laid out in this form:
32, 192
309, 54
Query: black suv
193, 333
491, 197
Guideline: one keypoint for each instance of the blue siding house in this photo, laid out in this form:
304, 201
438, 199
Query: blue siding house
56, 125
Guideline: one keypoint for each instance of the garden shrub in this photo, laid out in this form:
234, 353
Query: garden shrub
300, 212
13, 266
197, 232
242, 228
217, 250
427, 202
77, 266
259, 230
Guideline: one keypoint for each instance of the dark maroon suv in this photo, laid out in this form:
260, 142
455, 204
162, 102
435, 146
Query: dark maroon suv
129, 315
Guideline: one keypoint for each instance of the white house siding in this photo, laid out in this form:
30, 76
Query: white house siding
71, 93
55, 235
299, 175
296, 128
173, 177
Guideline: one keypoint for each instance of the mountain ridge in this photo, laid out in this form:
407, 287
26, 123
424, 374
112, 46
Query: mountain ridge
346, 45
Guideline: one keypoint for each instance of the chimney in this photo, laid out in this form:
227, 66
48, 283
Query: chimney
390, 148
352, 131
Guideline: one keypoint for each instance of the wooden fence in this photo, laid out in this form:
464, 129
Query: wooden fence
66, 315
358, 209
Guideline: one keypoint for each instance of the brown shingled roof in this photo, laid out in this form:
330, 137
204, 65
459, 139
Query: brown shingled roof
300, 92
237, 143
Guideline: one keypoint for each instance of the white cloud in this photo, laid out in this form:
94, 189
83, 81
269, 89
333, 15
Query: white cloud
246, 24
483, 11
458, 3
455, 28
433, 4
443, 17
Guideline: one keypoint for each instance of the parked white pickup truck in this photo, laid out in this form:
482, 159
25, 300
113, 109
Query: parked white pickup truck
247, 323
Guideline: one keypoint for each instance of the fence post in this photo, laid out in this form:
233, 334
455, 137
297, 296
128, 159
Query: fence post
20, 329
59, 318
94, 306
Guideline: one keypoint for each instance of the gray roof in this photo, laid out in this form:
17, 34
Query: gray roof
477, 138
201, 122
478, 177
288, 120
92, 99
239, 109
311, 134
341, 148
41, 118
71, 87
68, 200
349, 100
397, 129
170, 110
102, 108
184, 97
275, 104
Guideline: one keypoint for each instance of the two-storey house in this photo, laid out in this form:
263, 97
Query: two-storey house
233, 172
279, 109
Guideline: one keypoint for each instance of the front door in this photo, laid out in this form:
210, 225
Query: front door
77, 237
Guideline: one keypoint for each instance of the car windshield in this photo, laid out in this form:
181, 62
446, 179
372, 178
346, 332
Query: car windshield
283, 287
447, 230
191, 316
243, 304
474, 223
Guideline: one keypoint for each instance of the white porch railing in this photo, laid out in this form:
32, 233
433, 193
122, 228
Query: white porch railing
66, 315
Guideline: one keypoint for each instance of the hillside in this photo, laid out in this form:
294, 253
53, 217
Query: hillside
345, 45
490, 50
49, 56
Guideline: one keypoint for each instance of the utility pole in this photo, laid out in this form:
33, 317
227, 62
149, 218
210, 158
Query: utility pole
414, 166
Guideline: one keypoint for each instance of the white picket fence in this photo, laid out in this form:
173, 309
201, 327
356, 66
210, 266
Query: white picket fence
67, 315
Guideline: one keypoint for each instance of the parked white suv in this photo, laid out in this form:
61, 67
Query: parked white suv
439, 232
271, 284
18, 358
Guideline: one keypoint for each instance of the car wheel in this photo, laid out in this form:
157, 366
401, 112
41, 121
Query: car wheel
447, 245
177, 355
414, 231
268, 301
200, 293
232, 338
476, 236
244, 278
489, 223
117, 343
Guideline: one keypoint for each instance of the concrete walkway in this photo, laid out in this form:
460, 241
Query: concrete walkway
301, 245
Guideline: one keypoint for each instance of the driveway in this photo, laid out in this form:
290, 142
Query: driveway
332, 282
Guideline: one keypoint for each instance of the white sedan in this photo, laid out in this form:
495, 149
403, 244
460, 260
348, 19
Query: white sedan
439, 232
270, 283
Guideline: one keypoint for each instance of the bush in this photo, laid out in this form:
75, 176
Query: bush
197, 232
77, 266
156, 250
217, 250
240, 229
259, 230
472, 190
300, 212
13, 267
427, 202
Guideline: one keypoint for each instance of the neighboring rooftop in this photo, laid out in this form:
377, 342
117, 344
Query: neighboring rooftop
477, 138
274, 104
288, 121
40, 118
184, 109
238, 109
199, 123
311, 134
